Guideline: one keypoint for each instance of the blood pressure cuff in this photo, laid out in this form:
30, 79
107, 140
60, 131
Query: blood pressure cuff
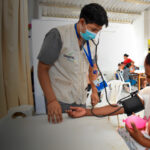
132, 105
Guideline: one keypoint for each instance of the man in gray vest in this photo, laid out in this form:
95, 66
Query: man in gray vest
66, 57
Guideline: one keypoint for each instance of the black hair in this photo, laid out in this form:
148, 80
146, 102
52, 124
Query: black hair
122, 62
94, 13
126, 55
147, 59
128, 65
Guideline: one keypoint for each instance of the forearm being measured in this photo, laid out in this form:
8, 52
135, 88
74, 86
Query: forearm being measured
104, 111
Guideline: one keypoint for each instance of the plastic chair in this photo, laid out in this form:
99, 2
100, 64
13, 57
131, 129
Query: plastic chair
120, 77
115, 88
114, 91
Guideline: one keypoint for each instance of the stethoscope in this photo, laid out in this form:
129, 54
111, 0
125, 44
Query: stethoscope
106, 95
88, 55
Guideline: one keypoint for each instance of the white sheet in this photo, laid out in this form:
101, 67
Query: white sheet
35, 133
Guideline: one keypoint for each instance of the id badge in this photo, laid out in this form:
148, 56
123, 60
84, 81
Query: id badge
100, 84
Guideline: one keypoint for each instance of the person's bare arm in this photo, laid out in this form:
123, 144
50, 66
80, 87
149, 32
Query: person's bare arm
145, 142
138, 136
104, 111
76, 112
45, 83
53, 107
92, 77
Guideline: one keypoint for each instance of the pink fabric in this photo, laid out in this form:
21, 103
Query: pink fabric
139, 122
147, 119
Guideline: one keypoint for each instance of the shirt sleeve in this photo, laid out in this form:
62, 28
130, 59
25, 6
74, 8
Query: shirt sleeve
145, 94
51, 47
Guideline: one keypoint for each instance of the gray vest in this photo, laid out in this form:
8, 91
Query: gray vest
68, 75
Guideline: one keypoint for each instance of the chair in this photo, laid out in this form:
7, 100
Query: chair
114, 89
114, 92
120, 77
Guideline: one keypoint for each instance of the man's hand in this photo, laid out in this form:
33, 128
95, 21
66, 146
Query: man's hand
135, 133
76, 112
54, 112
53, 107
94, 98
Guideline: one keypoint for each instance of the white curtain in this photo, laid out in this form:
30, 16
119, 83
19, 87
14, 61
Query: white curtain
15, 79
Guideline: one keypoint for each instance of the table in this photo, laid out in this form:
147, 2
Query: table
140, 75
35, 133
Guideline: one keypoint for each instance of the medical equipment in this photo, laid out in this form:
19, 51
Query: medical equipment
131, 103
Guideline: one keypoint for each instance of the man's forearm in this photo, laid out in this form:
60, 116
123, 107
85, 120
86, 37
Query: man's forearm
92, 77
94, 89
45, 83
104, 111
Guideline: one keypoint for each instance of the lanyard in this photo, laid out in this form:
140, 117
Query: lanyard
88, 54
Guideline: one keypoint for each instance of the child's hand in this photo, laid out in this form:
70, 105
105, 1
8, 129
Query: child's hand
135, 133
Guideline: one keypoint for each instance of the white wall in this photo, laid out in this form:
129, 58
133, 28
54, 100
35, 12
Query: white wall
39, 30
115, 40
147, 23
118, 39
33, 13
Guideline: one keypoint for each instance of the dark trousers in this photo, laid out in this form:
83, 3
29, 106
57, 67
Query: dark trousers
66, 106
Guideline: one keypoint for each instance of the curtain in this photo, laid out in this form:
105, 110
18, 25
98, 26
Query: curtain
15, 79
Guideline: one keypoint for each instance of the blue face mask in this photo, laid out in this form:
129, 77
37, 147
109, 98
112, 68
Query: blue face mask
88, 35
